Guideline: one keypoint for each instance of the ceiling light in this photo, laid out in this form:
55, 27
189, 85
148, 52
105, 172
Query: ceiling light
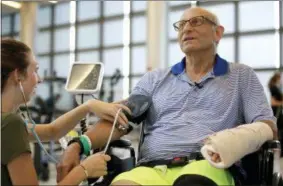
12, 4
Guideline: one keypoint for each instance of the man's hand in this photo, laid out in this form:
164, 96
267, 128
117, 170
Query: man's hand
214, 156
69, 160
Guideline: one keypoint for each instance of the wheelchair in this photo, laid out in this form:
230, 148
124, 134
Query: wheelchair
261, 167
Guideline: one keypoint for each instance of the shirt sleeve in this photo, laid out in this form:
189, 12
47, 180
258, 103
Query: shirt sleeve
145, 85
254, 101
14, 138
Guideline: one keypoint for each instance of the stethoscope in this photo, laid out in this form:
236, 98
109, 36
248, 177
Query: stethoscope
62, 142
32, 129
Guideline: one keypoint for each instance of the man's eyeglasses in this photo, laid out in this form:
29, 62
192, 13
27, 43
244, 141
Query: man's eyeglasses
194, 22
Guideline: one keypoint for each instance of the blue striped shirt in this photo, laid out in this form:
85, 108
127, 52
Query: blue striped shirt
183, 113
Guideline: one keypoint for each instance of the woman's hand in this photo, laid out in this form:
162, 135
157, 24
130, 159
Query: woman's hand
96, 165
108, 111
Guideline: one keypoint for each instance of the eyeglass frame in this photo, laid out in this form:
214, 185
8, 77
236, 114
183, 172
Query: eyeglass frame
186, 21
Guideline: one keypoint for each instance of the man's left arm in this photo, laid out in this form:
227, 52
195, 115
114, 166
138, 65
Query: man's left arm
254, 101
272, 125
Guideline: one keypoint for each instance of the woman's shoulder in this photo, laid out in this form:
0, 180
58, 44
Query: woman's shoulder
11, 119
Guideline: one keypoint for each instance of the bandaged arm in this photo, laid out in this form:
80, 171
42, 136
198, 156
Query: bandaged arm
234, 144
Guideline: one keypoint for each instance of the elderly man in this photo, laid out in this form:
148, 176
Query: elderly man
195, 98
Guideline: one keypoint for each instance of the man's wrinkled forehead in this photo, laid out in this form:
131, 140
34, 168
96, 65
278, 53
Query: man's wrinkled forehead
193, 12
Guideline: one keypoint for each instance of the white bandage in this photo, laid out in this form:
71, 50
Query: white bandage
234, 144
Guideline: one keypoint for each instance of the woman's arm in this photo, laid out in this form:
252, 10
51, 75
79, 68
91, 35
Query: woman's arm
22, 171
62, 125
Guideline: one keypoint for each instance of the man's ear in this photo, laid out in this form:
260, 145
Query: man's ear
219, 31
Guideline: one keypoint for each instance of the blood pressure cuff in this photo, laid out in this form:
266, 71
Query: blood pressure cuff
139, 106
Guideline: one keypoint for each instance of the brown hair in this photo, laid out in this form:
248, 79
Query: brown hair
273, 79
14, 55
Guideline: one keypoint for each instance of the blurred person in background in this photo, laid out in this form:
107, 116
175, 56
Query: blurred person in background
274, 86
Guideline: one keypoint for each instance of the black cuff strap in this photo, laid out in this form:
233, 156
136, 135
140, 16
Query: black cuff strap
77, 140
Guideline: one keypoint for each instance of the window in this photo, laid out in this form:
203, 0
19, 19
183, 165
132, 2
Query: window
99, 36
226, 48
113, 59
17, 22
62, 65
139, 60
88, 10
175, 53
225, 14
113, 32
174, 17
62, 39
43, 42
10, 25
44, 66
42, 90
91, 56
138, 49
117, 90
259, 51
88, 36
257, 20
139, 29
62, 13
138, 6
176, 3
6, 25
44, 16
113, 8
264, 78
66, 100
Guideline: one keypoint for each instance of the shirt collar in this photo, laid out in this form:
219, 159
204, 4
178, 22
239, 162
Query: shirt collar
220, 67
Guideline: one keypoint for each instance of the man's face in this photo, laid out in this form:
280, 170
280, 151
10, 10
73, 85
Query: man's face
200, 33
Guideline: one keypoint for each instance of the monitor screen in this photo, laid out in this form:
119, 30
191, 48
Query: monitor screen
84, 77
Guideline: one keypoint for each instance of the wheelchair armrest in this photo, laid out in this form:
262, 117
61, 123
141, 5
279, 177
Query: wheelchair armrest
272, 144
263, 165
270, 162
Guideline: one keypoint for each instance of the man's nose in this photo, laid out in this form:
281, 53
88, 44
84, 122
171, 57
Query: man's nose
187, 26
